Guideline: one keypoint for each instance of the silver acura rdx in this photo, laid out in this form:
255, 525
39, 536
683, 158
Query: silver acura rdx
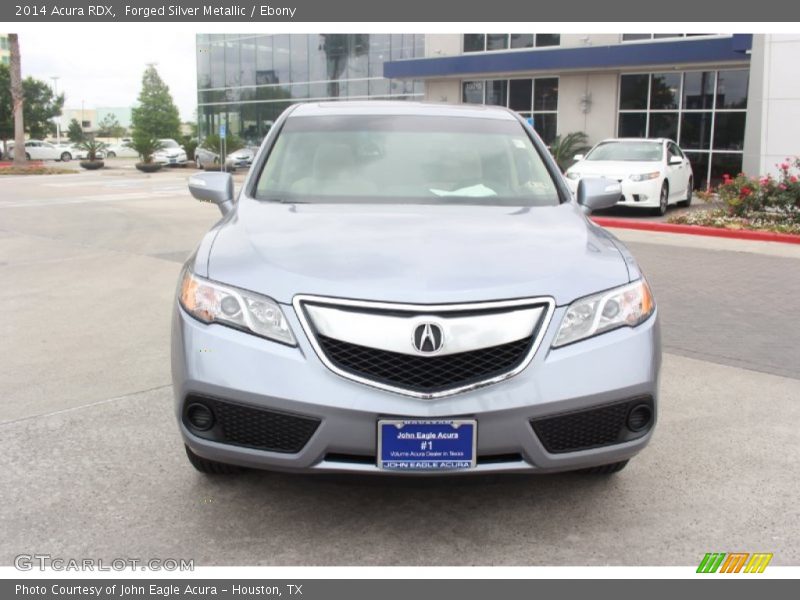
411, 288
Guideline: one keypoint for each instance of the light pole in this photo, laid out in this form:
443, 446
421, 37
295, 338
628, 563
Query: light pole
58, 118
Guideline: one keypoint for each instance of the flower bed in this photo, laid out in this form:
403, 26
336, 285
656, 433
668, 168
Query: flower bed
768, 203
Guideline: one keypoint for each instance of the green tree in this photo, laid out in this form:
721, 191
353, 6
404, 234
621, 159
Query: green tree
156, 116
110, 127
40, 105
564, 148
75, 132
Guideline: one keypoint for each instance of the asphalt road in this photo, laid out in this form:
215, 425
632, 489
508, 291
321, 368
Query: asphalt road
93, 465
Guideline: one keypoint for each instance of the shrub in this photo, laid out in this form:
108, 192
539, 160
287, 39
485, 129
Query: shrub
779, 195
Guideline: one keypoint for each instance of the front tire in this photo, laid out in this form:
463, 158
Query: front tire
689, 190
210, 467
111, 155
66, 157
609, 469
663, 201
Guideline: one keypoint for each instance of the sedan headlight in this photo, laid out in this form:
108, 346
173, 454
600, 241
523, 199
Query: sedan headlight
212, 302
573, 175
626, 306
645, 176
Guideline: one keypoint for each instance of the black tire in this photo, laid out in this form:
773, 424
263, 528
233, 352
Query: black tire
66, 157
210, 467
27, 156
663, 201
111, 155
605, 469
688, 201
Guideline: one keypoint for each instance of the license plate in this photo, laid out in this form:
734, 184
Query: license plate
423, 445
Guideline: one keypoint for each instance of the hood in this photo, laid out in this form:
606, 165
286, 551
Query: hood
614, 169
414, 253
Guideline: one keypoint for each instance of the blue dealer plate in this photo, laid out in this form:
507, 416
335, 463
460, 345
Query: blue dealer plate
419, 445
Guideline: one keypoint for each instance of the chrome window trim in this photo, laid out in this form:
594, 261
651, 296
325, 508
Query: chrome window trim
545, 301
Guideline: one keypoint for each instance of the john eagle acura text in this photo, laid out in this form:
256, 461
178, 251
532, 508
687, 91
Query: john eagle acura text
411, 288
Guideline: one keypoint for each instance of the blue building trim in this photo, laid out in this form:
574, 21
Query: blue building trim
682, 51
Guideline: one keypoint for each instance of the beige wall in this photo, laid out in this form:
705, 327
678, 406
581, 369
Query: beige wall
443, 90
599, 122
442, 44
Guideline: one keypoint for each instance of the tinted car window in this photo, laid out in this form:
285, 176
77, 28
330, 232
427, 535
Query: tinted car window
406, 159
633, 151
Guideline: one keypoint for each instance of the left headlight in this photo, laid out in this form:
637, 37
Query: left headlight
625, 306
212, 302
573, 175
645, 176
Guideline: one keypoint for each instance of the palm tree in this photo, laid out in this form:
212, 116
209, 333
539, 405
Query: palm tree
17, 98
564, 149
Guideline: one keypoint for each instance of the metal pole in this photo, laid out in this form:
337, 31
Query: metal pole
58, 119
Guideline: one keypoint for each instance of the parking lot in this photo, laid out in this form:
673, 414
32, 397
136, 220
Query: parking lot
93, 465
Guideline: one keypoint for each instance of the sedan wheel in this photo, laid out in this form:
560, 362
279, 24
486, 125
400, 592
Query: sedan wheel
111, 155
663, 200
66, 157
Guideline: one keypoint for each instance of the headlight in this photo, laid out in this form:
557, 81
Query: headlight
626, 306
211, 302
573, 175
645, 176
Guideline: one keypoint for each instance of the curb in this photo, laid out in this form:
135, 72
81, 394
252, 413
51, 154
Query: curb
741, 234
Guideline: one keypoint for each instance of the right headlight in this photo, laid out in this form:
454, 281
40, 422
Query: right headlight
573, 175
625, 306
213, 302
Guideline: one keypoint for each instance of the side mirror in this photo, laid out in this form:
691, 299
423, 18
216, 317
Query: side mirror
595, 193
578, 157
213, 187
675, 160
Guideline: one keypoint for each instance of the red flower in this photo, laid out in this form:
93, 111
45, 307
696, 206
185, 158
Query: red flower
793, 178
785, 166
746, 191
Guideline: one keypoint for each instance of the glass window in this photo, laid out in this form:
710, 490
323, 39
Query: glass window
665, 89
406, 159
474, 42
496, 41
496, 92
545, 94
725, 164
696, 130
282, 53
628, 151
632, 125
732, 89
548, 39
631, 37
699, 163
729, 131
247, 61
663, 125
299, 71
520, 94
698, 90
546, 125
265, 70
472, 92
633, 92
522, 40
218, 63
663, 36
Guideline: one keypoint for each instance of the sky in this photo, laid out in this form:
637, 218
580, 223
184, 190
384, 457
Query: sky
104, 68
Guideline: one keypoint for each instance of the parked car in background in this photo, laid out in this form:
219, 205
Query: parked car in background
171, 154
121, 150
654, 173
241, 158
411, 288
40, 150
205, 158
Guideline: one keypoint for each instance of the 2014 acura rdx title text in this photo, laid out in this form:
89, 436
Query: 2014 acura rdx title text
411, 288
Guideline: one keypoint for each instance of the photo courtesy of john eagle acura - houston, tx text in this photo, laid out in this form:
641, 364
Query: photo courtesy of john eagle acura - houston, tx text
406, 288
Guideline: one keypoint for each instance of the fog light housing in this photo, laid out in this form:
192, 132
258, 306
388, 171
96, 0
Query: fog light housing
199, 416
640, 417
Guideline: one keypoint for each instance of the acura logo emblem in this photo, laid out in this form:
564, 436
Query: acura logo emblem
428, 338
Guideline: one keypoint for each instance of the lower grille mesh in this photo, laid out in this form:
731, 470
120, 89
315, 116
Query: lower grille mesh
256, 427
591, 428
427, 374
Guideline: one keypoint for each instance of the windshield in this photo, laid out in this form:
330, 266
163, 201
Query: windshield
405, 159
633, 151
169, 144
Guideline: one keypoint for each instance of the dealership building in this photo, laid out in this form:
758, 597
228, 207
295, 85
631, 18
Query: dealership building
732, 102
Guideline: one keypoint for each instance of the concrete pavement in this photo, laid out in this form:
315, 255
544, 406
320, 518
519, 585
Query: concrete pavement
93, 464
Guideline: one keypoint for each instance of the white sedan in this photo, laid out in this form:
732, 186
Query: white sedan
654, 173
39, 150
171, 154
122, 150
